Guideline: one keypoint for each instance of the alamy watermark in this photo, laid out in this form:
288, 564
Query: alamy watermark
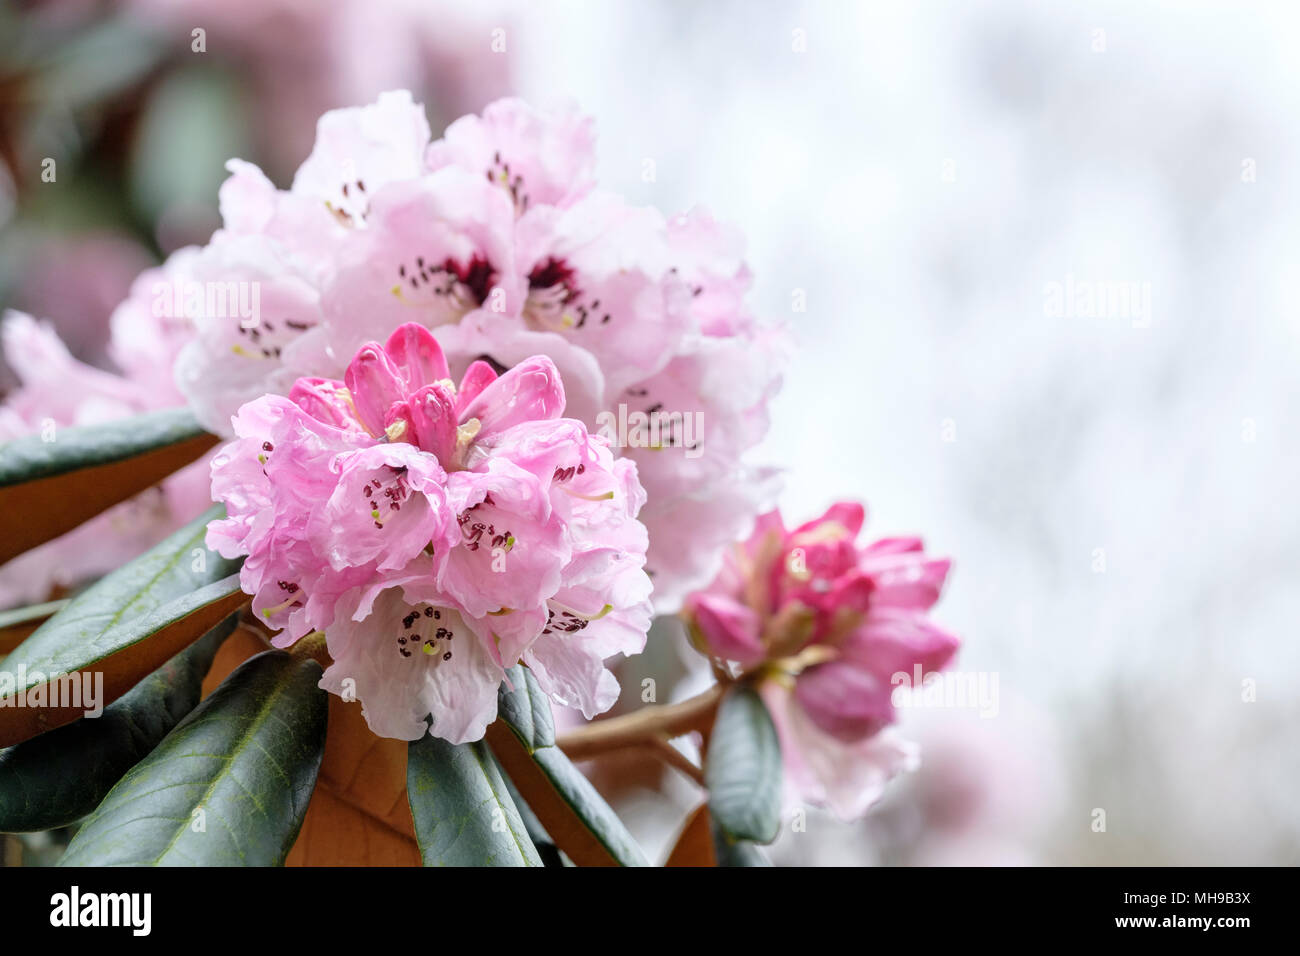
1098, 299
83, 690
948, 690
209, 300
133, 911
653, 428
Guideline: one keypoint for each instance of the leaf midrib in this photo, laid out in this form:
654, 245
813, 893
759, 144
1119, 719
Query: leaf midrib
487, 776
257, 721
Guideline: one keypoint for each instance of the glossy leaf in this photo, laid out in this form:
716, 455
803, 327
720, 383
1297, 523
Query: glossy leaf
526, 709
463, 813
742, 769
49, 487
564, 801
702, 843
729, 852
546, 849
228, 786
124, 626
60, 777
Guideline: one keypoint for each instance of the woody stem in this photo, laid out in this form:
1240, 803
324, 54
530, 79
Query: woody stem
644, 727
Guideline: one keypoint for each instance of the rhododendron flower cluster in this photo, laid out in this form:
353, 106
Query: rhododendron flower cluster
496, 238
437, 534
832, 629
480, 413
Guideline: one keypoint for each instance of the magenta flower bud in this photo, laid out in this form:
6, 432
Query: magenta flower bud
839, 626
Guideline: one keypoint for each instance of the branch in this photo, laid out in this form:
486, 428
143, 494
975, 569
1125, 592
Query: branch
643, 727
675, 758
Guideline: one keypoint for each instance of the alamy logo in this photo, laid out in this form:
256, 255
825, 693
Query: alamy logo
74, 908
654, 428
209, 300
1102, 299
83, 690
946, 690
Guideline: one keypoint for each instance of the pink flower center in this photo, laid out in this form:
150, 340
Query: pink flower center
386, 496
266, 339
428, 629
555, 302
498, 174
463, 283
475, 532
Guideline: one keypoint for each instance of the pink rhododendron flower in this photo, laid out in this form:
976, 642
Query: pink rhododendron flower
496, 238
437, 534
828, 625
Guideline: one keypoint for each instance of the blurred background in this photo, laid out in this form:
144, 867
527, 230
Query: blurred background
1036, 259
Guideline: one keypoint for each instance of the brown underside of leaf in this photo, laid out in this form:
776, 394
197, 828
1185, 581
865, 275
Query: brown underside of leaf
336, 833
694, 846
122, 671
359, 814
563, 825
242, 644
11, 637
19, 631
65, 501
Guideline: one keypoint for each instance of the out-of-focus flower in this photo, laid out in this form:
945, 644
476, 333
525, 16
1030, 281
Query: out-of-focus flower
302, 57
495, 238
56, 391
75, 282
437, 534
827, 626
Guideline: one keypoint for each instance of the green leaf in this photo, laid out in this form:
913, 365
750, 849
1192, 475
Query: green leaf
701, 842
124, 626
526, 709
51, 483
589, 807
736, 852
98, 62
463, 813
546, 848
229, 786
742, 768
59, 777
566, 804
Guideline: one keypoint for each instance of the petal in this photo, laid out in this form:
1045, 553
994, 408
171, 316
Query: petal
548, 156
825, 771
417, 355
909, 580
325, 400
388, 506
511, 549
850, 515
897, 545
360, 149
477, 377
397, 691
845, 701
730, 630
433, 416
897, 641
530, 391
375, 384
